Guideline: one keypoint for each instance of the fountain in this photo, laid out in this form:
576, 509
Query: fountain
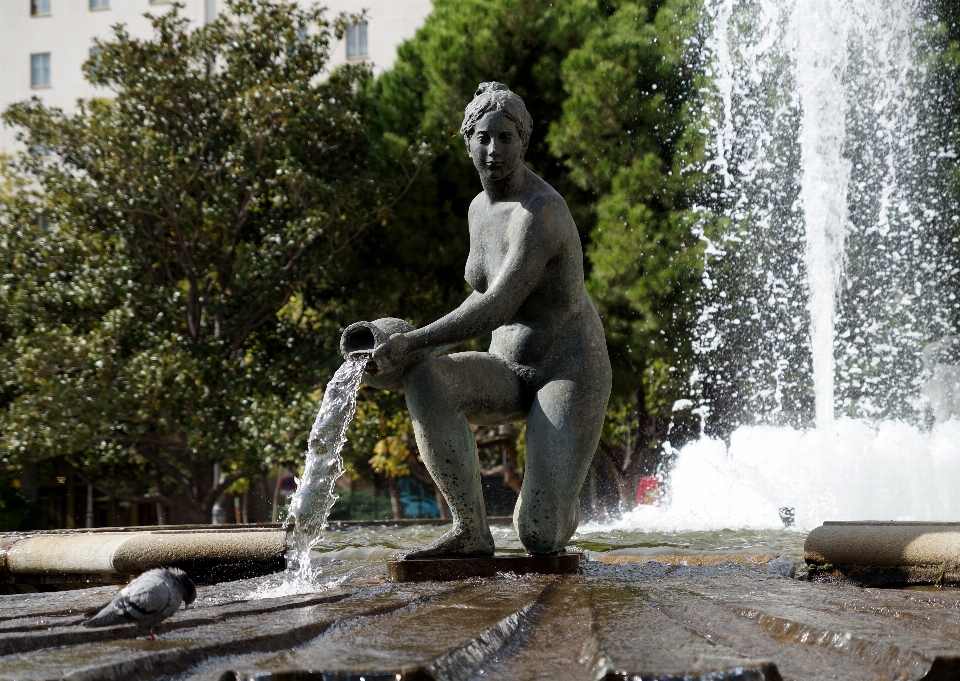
827, 273
820, 420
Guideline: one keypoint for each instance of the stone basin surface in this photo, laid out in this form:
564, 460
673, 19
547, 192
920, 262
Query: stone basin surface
668, 618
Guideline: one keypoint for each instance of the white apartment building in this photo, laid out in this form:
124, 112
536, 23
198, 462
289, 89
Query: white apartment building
43, 43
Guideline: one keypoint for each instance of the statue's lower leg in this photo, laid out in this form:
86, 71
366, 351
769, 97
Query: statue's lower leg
449, 452
563, 429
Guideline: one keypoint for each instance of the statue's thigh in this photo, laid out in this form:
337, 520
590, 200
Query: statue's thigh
563, 430
477, 384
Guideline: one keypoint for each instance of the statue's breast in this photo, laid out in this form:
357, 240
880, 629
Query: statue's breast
475, 274
488, 245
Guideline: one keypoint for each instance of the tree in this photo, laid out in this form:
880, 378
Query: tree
625, 135
466, 42
175, 279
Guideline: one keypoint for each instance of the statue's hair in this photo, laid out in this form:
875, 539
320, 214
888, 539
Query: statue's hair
494, 96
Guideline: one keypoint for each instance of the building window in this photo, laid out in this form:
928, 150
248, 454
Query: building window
95, 53
42, 223
357, 40
99, 4
39, 8
40, 70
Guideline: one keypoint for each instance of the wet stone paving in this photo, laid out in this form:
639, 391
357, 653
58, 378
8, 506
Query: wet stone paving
651, 620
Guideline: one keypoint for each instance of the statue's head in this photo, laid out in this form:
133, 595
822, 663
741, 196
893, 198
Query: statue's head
496, 97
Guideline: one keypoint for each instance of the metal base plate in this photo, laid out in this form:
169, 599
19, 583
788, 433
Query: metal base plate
448, 569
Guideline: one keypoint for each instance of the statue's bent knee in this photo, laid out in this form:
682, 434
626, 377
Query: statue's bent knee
545, 533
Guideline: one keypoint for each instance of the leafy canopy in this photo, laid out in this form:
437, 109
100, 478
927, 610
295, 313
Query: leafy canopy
179, 302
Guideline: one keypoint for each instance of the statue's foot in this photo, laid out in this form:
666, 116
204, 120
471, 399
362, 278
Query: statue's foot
559, 552
456, 543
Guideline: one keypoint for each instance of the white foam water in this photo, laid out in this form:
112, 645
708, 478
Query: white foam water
848, 471
311, 503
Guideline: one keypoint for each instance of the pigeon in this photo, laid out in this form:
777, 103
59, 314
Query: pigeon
148, 600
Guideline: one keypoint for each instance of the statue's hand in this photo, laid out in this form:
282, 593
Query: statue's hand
392, 352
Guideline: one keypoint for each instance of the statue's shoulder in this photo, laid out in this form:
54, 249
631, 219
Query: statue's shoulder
480, 201
548, 207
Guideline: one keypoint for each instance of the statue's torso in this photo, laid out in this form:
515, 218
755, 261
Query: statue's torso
556, 328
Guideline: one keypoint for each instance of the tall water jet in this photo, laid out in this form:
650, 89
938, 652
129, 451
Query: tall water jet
820, 35
829, 152
830, 265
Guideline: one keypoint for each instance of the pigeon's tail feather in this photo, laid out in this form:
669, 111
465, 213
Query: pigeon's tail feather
94, 611
107, 617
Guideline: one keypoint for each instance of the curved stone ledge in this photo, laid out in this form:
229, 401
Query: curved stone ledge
926, 551
209, 555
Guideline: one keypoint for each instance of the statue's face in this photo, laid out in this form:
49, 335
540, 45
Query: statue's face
495, 147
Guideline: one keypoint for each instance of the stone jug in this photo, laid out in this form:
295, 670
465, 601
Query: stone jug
364, 337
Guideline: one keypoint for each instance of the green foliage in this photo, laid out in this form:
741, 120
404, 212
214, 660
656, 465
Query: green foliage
626, 135
381, 438
210, 229
185, 303
518, 42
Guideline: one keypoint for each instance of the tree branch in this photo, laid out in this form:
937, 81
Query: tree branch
214, 492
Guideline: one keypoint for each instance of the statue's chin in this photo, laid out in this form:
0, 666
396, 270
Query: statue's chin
496, 174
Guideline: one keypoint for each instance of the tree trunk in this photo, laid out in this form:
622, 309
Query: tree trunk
441, 502
70, 501
420, 472
161, 509
276, 497
594, 503
626, 488
510, 468
395, 504
262, 505
506, 440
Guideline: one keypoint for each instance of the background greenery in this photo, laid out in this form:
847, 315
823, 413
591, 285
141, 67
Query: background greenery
174, 283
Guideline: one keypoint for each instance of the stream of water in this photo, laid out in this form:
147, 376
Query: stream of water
311, 503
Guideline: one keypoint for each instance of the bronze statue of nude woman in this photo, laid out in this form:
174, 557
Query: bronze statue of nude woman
547, 363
